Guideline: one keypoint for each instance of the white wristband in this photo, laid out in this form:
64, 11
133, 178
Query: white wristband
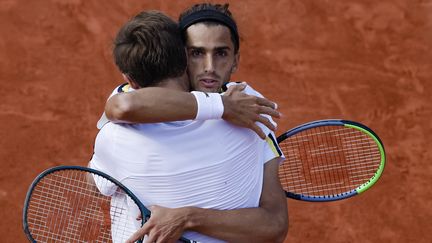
210, 105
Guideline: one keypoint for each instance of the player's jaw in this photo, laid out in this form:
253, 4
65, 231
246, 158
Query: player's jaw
207, 83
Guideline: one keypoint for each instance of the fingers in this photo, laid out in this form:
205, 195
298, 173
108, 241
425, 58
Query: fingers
266, 122
266, 106
138, 235
266, 102
151, 238
268, 111
235, 88
258, 131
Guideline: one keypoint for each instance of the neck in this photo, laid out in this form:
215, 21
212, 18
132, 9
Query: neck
180, 83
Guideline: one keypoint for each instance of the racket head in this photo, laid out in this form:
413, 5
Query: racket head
330, 160
65, 204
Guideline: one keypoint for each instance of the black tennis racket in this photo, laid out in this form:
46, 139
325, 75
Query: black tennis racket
330, 160
79, 204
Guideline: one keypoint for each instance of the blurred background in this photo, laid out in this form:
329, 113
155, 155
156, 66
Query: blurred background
362, 60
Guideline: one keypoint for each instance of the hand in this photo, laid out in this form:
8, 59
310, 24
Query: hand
244, 110
164, 225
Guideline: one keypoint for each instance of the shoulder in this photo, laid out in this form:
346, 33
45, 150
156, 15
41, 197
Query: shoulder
248, 90
251, 91
123, 88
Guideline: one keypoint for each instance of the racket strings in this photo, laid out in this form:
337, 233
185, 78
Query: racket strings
68, 206
328, 160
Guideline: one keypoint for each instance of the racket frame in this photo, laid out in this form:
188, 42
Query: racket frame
144, 211
338, 122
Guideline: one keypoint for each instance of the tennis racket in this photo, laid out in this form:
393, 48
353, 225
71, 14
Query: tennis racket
79, 204
330, 160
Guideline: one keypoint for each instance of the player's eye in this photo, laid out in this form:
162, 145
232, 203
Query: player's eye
195, 52
222, 53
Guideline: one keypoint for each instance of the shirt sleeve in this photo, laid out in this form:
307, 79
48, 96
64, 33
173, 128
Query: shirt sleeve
119, 89
271, 147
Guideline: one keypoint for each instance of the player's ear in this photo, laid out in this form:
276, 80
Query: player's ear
236, 62
130, 81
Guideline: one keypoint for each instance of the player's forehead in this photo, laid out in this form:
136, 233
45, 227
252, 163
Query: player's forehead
209, 36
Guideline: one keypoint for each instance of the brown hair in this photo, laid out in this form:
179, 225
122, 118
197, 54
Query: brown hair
149, 49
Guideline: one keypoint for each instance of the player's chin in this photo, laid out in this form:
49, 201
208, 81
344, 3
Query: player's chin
214, 89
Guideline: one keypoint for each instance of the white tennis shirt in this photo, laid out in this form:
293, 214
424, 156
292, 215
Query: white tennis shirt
206, 164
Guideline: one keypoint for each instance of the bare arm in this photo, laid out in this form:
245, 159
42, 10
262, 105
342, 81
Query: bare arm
149, 105
153, 104
267, 223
